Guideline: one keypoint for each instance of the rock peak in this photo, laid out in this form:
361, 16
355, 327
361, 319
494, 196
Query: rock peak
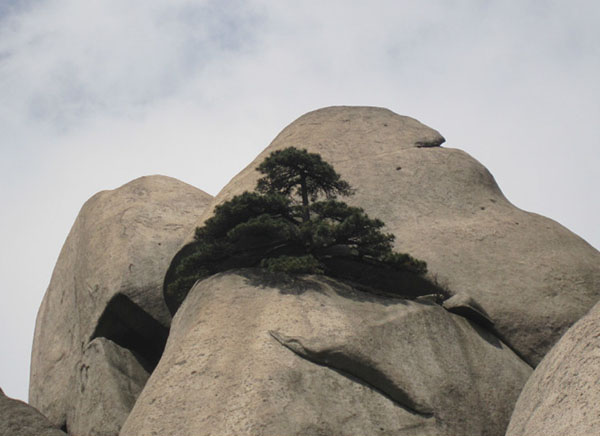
446, 208
368, 129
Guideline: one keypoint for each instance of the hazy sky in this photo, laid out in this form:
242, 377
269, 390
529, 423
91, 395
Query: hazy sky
96, 93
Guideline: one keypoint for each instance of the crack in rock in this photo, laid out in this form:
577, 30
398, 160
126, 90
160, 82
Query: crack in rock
355, 367
128, 325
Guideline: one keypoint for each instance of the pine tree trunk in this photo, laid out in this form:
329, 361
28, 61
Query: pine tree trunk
304, 190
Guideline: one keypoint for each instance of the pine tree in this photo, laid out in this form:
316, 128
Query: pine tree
284, 226
297, 172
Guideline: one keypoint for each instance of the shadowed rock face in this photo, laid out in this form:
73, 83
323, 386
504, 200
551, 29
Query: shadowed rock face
107, 282
563, 394
262, 354
533, 277
20, 419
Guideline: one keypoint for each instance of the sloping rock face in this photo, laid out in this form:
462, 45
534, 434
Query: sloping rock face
110, 380
563, 394
20, 419
531, 275
107, 282
257, 354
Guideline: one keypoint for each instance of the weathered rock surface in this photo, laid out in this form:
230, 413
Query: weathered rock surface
532, 276
464, 305
111, 268
110, 380
20, 419
257, 354
562, 397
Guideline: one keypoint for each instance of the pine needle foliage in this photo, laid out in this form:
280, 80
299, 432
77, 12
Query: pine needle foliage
291, 223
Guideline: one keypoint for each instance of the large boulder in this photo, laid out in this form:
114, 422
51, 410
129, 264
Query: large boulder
533, 277
251, 353
20, 419
107, 282
563, 394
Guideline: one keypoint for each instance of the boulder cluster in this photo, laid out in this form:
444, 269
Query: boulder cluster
515, 351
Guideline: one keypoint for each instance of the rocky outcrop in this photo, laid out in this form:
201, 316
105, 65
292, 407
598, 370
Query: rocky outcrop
110, 379
254, 353
533, 277
563, 394
20, 419
108, 283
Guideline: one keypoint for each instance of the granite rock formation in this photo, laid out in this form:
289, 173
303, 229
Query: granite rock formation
107, 283
532, 276
20, 419
251, 352
562, 396
110, 378
262, 354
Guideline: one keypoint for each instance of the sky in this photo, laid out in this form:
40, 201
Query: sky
97, 93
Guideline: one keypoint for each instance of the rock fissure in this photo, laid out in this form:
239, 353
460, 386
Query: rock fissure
129, 326
113, 230
357, 370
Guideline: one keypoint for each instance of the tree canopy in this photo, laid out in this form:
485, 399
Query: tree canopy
292, 223
291, 171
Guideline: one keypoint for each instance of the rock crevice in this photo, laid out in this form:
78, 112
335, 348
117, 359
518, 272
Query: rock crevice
127, 325
354, 367
107, 283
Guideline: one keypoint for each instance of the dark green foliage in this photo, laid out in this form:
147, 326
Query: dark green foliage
340, 224
292, 172
240, 209
405, 262
278, 228
307, 264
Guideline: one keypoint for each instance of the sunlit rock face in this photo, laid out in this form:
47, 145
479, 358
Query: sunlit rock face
260, 354
563, 394
254, 353
107, 283
533, 277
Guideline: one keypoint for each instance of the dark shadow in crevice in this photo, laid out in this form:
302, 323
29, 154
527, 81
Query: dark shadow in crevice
356, 370
127, 325
347, 285
376, 278
297, 284
494, 337
472, 314
64, 428
487, 331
